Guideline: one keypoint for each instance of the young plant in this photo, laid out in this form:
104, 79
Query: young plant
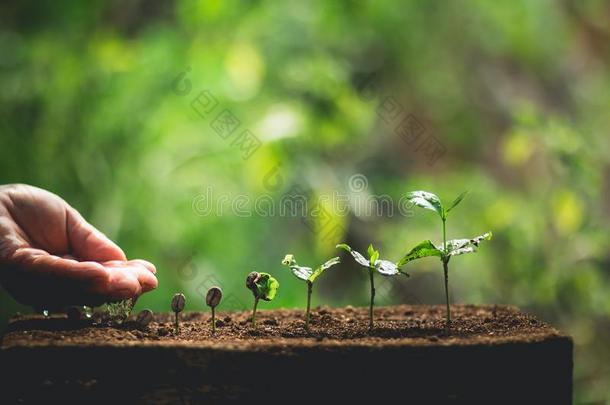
263, 287
308, 275
383, 267
212, 299
449, 248
177, 306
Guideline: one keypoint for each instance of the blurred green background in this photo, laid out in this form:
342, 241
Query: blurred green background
517, 94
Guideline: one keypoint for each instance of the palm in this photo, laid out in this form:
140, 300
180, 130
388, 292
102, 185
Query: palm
50, 256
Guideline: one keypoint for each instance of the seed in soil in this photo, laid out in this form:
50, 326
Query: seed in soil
178, 303
212, 299
144, 318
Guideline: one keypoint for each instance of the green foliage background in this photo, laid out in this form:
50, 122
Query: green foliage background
517, 91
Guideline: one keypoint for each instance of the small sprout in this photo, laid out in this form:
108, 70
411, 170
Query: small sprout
263, 287
212, 299
449, 248
177, 306
308, 275
144, 318
383, 267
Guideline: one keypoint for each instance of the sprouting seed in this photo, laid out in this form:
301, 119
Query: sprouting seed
177, 306
212, 299
263, 287
144, 317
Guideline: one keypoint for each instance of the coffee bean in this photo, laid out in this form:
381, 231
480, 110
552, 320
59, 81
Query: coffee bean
251, 280
213, 297
144, 317
178, 302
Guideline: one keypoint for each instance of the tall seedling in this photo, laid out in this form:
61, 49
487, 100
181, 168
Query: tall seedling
449, 248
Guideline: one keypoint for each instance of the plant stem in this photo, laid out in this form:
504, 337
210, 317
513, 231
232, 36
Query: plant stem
446, 269
254, 313
213, 321
309, 289
444, 237
371, 272
445, 260
176, 325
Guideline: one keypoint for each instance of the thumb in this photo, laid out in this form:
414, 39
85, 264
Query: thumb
87, 242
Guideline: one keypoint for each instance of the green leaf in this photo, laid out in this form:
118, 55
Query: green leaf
288, 260
429, 201
457, 201
457, 247
424, 249
344, 247
266, 287
386, 268
374, 258
373, 255
357, 256
370, 250
300, 272
322, 268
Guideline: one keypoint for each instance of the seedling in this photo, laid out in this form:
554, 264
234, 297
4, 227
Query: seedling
308, 275
383, 267
177, 306
144, 318
263, 287
212, 299
449, 248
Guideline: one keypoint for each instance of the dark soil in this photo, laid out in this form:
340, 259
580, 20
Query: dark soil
403, 325
490, 355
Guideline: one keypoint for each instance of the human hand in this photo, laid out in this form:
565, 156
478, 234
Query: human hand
51, 257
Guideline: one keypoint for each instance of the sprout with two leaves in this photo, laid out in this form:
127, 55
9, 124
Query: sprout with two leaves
263, 287
449, 248
383, 267
308, 275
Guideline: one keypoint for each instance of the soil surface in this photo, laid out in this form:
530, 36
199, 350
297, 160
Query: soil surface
396, 325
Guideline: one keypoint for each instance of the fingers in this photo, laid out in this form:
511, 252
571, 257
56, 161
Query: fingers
130, 279
146, 264
37, 261
50, 279
87, 242
37, 278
